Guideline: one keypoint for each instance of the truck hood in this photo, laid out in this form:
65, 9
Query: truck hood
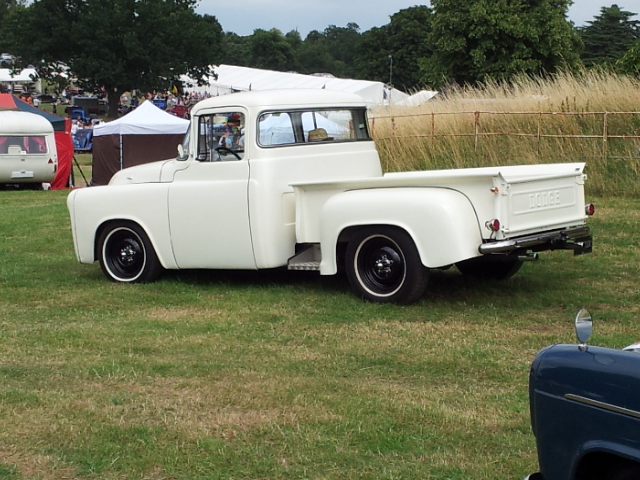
147, 173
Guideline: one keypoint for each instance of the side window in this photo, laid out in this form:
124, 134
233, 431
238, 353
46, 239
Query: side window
312, 126
29, 144
221, 137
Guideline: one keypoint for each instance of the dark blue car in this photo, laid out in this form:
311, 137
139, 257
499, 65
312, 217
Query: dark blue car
585, 410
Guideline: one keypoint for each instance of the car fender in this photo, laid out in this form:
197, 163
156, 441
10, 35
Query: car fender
441, 221
144, 204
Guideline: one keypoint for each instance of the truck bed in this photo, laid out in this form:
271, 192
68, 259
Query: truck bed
527, 199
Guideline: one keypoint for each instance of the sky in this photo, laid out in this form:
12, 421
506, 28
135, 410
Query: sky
306, 15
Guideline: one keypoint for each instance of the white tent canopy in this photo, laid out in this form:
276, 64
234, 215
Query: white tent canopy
147, 119
24, 77
418, 98
232, 79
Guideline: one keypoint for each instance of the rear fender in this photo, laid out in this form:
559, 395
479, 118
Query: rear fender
441, 221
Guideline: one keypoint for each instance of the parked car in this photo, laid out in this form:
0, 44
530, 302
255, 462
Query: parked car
83, 140
45, 97
585, 410
78, 113
179, 110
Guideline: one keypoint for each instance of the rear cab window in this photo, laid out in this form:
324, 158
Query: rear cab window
311, 126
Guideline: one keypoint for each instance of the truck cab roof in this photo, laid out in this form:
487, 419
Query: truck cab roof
282, 99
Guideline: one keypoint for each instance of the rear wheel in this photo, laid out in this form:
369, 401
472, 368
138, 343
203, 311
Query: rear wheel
126, 254
490, 267
627, 471
383, 266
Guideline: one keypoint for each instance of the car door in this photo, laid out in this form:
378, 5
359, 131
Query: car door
208, 200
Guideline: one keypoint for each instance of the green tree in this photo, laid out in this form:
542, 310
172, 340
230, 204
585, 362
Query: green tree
630, 62
330, 51
314, 56
342, 44
235, 50
118, 45
392, 53
7, 7
608, 37
270, 50
495, 39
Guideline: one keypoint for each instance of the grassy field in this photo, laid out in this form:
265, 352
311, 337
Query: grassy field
532, 120
282, 375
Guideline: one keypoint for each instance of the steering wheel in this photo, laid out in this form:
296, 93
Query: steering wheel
225, 150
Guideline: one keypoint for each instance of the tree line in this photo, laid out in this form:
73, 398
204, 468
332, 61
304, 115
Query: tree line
124, 44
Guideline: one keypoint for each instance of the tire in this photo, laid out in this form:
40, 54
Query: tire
383, 266
490, 267
626, 471
126, 254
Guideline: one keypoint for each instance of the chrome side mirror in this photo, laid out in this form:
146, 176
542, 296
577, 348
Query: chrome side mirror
182, 155
584, 326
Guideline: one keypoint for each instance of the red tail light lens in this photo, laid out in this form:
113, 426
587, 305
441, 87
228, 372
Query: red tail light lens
493, 225
589, 209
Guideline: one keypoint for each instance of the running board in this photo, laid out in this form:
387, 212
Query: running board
308, 259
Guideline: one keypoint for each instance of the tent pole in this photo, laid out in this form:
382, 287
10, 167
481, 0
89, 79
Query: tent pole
80, 170
121, 159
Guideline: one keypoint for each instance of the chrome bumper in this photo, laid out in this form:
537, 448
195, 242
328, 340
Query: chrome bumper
577, 239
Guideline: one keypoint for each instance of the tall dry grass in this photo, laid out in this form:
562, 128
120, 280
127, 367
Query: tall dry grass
592, 117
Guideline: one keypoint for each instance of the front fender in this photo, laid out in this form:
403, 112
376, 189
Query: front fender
144, 204
441, 221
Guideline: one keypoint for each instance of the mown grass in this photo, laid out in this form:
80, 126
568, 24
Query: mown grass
531, 120
281, 375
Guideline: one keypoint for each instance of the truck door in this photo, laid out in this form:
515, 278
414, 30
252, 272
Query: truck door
208, 200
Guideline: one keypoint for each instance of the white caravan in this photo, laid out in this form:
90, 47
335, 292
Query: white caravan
28, 154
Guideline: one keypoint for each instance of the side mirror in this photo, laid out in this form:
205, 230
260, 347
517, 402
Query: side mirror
182, 155
584, 326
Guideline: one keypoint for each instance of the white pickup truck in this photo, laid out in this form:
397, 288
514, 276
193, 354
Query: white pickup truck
292, 178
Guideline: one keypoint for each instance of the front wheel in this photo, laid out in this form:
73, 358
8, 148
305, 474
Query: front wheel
383, 266
126, 254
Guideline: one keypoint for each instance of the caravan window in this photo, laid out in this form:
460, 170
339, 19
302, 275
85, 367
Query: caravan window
23, 144
295, 127
221, 137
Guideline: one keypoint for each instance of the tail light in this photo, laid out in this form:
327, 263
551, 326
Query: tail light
493, 225
589, 209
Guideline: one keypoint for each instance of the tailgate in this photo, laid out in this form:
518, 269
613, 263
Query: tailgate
528, 204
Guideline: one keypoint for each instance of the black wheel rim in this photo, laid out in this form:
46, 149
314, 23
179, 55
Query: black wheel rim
380, 266
124, 254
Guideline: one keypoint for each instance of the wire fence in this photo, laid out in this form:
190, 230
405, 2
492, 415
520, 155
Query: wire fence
602, 127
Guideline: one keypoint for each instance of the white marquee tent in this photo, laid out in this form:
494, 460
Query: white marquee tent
233, 79
24, 77
146, 134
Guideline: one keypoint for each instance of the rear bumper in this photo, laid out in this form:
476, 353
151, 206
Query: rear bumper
577, 239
